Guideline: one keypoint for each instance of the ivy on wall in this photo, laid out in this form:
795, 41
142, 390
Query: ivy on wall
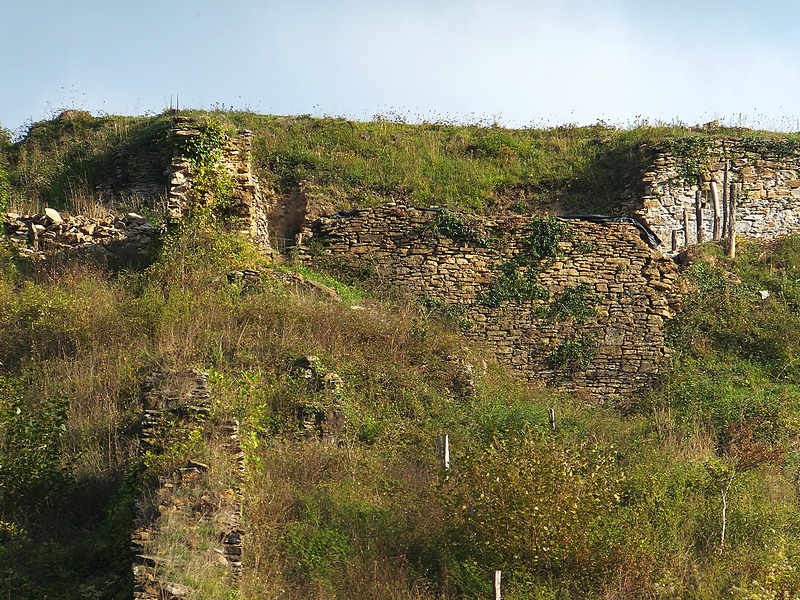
692, 155
574, 353
212, 186
518, 278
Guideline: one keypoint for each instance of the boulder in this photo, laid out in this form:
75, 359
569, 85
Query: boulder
53, 215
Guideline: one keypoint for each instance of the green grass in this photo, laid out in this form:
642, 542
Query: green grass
344, 164
640, 488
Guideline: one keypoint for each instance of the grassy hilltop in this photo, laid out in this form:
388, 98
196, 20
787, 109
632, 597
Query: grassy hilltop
687, 490
346, 164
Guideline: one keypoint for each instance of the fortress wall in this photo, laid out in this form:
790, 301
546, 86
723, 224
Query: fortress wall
627, 282
249, 204
766, 177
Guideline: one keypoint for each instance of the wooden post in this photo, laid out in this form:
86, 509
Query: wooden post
551, 414
725, 211
732, 222
497, 578
443, 446
715, 208
698, 212
674, 240
686, 227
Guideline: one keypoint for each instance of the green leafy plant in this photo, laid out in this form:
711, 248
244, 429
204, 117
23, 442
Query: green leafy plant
518, 275
455, 313
514, 285
574, 303
528, 506
543, 235
31, 437
780, 147
692, 154
460, 228
212, 186
575, 353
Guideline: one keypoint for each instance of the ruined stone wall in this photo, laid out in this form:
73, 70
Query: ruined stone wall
122, 241
250, 204
626, 282
187, 538
130, 236
766, 176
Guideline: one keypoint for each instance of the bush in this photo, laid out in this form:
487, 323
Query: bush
31, 436
532, 506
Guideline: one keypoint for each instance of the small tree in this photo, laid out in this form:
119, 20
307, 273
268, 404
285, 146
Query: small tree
740, 455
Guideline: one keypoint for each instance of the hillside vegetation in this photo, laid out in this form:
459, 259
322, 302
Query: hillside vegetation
688, 490
346, 164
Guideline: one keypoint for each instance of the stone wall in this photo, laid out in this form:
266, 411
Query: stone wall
249, 203
625, 283
129, 237
766, 176
188, 523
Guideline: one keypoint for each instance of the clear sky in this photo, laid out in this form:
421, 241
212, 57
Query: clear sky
519, 62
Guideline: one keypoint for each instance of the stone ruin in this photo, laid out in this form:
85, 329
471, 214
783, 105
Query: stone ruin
627, 286
188, 522
764, 174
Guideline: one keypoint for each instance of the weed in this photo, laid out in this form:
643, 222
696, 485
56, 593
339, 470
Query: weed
518, 279
575, 353
693, 154
455, 313
574, 303
460, 229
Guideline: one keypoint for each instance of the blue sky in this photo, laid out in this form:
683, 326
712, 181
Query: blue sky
520, 62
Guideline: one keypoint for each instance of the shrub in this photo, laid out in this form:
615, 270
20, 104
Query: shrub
530, 506
31, 436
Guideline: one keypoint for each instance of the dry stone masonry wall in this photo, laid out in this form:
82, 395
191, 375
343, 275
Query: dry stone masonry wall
766, 178
612, 344
249, 205
187, 541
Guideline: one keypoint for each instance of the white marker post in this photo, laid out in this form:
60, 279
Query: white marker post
443, 445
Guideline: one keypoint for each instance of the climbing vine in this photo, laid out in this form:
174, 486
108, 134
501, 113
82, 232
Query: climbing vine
777, 147
574, 303
692, 155
212, 186
518, 278
461, 229
514, 283
543, 235
574, 353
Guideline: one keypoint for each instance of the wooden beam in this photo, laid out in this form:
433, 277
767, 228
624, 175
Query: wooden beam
698, 211
715, 208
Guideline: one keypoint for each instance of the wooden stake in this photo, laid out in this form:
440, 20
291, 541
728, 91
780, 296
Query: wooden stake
674, 240
732, 223
497, 578
551, 414
698, 212
725, 211
715, 208
686, 228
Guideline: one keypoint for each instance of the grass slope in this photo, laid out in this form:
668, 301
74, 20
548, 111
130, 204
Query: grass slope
66, 162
